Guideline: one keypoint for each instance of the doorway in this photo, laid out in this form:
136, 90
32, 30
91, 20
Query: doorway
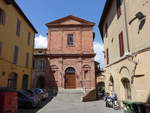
127, 88
70, 78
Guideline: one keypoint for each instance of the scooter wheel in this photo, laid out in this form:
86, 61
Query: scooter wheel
116, 107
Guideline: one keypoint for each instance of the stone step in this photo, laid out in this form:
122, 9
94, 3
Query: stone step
70, 91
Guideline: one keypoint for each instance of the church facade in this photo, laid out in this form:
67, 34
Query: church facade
70, 54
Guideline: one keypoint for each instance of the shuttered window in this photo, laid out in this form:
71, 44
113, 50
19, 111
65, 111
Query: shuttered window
0, 48
15, 57
42, 64
118, 8
18, 25
107, 56
29, 38
25, 82
2, 17
27, 60
121, 44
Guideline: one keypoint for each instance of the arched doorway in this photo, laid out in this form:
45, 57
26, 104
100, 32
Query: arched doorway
25, 81
100, 90
127, 88
125, 83
12, 80
70, 78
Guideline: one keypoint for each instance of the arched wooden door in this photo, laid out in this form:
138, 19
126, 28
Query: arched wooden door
70, 79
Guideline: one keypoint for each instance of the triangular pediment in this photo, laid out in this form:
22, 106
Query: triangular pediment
70, 20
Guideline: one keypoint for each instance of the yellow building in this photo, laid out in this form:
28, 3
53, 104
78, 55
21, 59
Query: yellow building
16, 46
124, 26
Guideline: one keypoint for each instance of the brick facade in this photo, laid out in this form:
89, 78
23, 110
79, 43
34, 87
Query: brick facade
70, 54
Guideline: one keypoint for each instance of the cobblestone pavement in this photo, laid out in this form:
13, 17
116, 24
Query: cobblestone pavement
71, 103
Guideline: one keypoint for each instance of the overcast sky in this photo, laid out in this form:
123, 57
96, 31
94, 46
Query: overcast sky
41, 12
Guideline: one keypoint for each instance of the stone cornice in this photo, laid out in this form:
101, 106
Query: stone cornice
65, 55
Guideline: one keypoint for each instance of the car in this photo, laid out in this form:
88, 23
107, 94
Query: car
26, 99
45, 93
38, 96
40, 91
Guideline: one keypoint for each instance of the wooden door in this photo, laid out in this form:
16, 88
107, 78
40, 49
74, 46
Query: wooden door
70, 81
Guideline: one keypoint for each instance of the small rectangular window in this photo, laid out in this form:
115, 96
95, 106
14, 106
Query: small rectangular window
0, 48
29, 38
118, 8
42, 65
18, 25
15, 57
70, 39
121, 44
27, 60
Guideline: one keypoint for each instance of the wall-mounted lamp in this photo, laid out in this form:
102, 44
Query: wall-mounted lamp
138, 16
141, 17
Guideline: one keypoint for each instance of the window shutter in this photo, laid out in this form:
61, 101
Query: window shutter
0, 48
18, 27
29, 38
27, 59
15, 58
2, 17
121, 44
25, 82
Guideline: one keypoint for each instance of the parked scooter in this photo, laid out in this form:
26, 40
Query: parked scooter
111, 101
116, 105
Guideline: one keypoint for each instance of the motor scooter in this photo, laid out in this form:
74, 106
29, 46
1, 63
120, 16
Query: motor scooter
112, 103
108, 102
116, 105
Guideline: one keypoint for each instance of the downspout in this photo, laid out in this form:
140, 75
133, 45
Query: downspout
126, 26
132, 56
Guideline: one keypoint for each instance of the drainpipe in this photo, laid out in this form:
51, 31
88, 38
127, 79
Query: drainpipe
126, 26
133, 91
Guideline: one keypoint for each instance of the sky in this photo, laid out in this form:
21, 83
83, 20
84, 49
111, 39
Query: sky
40, 12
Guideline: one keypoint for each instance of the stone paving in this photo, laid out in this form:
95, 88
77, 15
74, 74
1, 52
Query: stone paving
71, 103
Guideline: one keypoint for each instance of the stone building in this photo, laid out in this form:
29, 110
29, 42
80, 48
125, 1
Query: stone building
100, 81
70, 54
124, 27
16, 46
39, 68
